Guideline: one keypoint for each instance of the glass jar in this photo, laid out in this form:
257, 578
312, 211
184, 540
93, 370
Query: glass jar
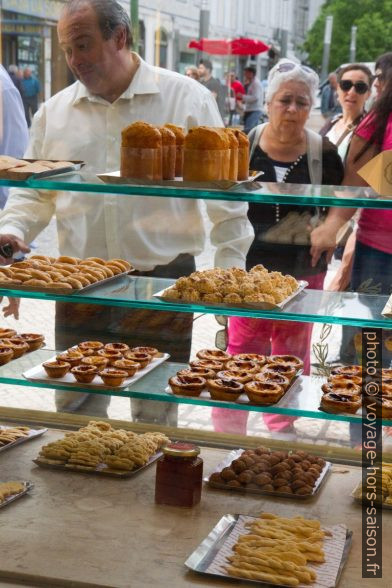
179, 475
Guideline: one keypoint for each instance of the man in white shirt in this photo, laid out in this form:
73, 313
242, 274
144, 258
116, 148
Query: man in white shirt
116, 87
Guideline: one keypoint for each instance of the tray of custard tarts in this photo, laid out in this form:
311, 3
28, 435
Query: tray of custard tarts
342, 393
94, 364
13, 345
62, 275
245, 378
292, 474
100, 449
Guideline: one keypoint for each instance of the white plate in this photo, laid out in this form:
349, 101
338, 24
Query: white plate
38, 374
252, 305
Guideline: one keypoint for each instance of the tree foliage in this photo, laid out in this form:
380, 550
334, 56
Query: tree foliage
373, 19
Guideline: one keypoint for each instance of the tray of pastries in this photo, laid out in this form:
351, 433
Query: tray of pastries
342, 393
235, 287
102, 450
61, 275
10, 491
384, 482
14, 345
12, 436
94, 364
245, 378
272, 550
293, 474
22, 169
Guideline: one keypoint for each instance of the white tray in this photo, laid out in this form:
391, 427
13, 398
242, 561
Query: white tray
38, 374
251, 305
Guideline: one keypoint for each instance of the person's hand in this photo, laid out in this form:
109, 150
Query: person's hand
16, 244
322, 239
12, 309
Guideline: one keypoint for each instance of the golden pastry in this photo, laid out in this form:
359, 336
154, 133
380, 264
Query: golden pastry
71, 356
33, 340
84, 374
260, 359
187, 385
113, 376
127, 365
214, 354
279, 368
7, 333
349, 389
209, 364
110, 354
292, 360
273, 377
198, 371
225, 389
6, 354
95, 345
142, 358
241, 377
95, 360
18, 346
347, 370
56, 369
243, 366
338, 403
121, 347
149, 350
263, 392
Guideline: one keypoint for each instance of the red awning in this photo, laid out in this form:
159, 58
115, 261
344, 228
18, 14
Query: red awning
239, 46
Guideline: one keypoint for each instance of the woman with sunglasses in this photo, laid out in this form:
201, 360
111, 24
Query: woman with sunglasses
286, 152
354, 84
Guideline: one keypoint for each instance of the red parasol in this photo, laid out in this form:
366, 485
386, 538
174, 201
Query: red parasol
241, 46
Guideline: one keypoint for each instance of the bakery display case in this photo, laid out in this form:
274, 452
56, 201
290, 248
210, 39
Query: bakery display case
106, 537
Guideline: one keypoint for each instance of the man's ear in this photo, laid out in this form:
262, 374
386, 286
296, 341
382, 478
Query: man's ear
120, 37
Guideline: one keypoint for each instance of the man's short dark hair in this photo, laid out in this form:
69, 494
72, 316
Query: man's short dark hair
111, 15
250, 68
207, 64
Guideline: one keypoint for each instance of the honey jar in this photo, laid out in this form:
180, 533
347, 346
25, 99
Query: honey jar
179, 475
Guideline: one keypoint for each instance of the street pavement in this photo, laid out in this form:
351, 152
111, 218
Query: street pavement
38, 316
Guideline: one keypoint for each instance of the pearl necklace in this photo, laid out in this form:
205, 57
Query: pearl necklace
286, 175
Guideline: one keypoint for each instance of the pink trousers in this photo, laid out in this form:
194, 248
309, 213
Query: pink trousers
267, 337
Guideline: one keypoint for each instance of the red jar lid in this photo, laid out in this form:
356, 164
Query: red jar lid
181, 449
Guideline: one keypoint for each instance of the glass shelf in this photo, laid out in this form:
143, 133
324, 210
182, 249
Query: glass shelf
346, 308
303, 399
267, 193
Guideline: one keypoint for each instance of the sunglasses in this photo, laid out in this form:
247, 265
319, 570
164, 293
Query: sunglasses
359, 87
289, 66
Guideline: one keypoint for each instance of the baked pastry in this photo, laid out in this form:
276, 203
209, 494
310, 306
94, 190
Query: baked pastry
97, 361
242, 366
241, 377
386, 408
139, 357
127, 365
263, 392
141, 152
206, 155
349, 389
292, 360
56, 369
168, 153
341, 380
7, 333
347, 370
18, 346
198, 371
33, 340
273, 377
213, 354
149, 350
6, 354
180, 139
280, 368
84, 374
113, 376
260, 359
187, 385
95, 345
224, 389
386, 389
338, 403
121, 347
233, 145
71, 356
243, 155
110, 354
209, 364
386, 373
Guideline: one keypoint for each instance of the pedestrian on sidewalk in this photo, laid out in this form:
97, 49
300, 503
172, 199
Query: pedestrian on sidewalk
31, 89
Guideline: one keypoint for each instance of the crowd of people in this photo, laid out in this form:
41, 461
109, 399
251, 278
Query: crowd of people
115, 86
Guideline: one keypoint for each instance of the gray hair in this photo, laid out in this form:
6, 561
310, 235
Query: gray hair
288, 71
13, 68
111, 15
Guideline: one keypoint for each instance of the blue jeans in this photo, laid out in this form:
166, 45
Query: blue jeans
251, 120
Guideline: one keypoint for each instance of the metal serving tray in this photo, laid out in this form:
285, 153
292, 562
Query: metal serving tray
205, 554
67, 291
250, 305
101, 469
242, 399
32, 434
238, 452
357, 495
38, 374
27, 486
76, 166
